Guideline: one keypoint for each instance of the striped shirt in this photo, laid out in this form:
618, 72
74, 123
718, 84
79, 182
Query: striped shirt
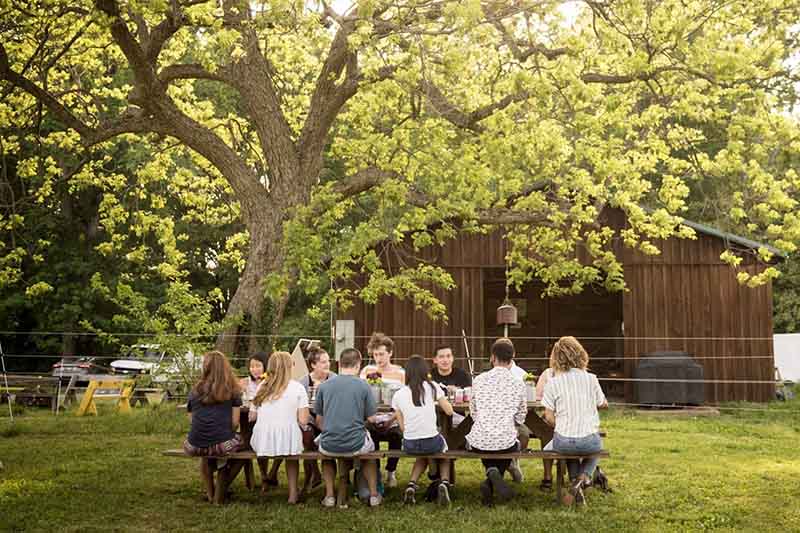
574, 397
496, 406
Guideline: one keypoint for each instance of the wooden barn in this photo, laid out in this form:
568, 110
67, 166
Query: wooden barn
685, 299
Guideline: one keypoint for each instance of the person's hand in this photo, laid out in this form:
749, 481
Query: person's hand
251, 415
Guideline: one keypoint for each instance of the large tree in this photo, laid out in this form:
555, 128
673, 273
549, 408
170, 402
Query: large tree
440, 116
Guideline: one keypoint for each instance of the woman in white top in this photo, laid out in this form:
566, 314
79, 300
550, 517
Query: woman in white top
281, 407
415, 405
571, 399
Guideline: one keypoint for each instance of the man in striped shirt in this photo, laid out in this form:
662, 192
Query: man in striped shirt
497, 405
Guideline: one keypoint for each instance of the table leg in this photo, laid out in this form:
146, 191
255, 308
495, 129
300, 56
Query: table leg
559, 479
226, 476
248, 475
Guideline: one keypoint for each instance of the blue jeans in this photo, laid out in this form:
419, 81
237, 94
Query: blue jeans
427, 446
578, 445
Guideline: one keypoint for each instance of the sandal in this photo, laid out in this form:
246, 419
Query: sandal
546, 484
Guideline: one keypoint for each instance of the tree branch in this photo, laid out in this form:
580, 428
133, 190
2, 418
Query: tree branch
328, 98
57, 108
189, 71
463, 119
363, 180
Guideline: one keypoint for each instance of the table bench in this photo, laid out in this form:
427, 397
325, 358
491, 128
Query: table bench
224, 480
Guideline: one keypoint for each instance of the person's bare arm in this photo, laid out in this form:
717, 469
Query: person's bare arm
550, 417
235, 417
445, 405
303, 416
399, 417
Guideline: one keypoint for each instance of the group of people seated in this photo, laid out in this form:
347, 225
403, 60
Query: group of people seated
337, 414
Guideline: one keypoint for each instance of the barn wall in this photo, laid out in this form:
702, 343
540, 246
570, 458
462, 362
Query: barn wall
687, 299
684, 299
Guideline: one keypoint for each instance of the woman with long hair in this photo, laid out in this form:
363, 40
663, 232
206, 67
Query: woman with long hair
415, 405
571, 399
213, 407
281, 408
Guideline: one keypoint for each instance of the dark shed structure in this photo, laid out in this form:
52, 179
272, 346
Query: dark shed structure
685, 299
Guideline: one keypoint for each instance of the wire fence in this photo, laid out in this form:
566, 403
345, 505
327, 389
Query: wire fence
732, 375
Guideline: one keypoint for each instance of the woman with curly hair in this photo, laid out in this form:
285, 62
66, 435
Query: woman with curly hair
571, 399
213, 407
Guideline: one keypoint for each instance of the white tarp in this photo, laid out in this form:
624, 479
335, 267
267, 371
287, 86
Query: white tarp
787, 355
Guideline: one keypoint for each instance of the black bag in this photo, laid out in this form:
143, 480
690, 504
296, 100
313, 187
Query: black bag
432, 492
600, 480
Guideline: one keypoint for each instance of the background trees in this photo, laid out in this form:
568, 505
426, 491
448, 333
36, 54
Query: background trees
225, 152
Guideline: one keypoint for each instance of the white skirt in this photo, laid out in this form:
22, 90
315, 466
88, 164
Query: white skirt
274, 441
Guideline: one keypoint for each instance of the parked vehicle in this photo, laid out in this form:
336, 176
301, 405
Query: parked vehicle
161, 368
77, 366
139, 359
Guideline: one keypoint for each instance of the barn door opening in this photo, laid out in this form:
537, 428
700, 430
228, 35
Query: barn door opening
594, 317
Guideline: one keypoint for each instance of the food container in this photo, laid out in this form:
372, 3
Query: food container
530, 392
467, 394
459, 396
376, 393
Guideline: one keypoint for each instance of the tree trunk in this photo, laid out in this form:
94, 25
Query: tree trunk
265, 256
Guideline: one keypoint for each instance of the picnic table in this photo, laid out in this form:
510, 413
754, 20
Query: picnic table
456, 436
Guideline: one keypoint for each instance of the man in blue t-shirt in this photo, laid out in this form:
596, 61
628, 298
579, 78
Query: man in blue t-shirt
343, 406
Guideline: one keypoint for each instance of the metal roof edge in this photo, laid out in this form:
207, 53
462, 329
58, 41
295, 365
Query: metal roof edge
708, 230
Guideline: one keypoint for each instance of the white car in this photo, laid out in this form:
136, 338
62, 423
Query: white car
151, 359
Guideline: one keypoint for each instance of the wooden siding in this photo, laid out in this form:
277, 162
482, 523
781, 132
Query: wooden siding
683, 299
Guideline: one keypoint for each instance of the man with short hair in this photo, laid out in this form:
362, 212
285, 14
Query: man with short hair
445, 373
450, 377
523, 431
497, 405
343, 406
385, 429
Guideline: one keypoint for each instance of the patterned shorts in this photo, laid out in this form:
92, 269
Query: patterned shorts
220, 449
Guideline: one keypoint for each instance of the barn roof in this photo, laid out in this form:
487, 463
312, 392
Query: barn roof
730, 237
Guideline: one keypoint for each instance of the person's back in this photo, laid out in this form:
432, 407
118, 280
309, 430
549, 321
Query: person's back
571, 399
344, 404
497, 405
574, 397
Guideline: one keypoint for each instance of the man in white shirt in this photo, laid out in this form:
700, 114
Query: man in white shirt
523, 431
517, 371
497, 405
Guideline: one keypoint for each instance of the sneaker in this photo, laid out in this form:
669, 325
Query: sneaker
486, 493
516, 471
391, 479
329, 501
410, 494
443, 497
499, 486
375, 501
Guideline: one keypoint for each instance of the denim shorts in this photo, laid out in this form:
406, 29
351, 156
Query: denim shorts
428, 446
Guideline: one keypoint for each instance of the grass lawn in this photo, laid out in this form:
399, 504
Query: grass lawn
736, 472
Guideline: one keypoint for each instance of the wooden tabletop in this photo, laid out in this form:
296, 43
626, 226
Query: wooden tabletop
464, 405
